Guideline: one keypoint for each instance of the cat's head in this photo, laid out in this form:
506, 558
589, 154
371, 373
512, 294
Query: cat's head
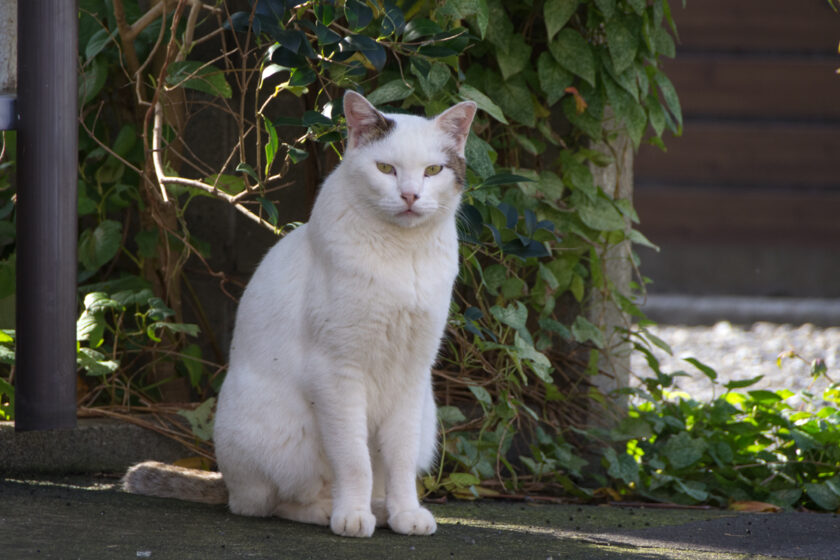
409, 170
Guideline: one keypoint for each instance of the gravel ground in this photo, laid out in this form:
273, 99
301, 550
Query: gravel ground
745, 352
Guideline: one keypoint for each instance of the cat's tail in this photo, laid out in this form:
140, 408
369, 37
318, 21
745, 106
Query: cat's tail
168, 481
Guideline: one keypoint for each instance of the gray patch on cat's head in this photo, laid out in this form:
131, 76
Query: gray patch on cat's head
376, 130
458, 165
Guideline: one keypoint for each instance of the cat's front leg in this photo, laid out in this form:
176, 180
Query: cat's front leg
341, 413
401, 438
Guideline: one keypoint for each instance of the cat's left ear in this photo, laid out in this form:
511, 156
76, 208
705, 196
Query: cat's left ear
364, 123
456, 122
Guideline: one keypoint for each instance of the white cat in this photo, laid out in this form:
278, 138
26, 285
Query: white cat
326, 414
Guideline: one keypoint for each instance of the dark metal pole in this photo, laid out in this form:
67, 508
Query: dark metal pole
45, 382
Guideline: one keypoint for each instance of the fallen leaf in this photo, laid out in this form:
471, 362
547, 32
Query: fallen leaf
755, 507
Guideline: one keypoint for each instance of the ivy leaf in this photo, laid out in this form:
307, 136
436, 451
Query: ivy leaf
98, 246
450, 415
557, 13
201, 419
484, 103
622, 467
514, 315
584, 331
540, 365
607, 8
573, 53
514, 97
622, 44
514, 56
682, 450
672, 101
553, 78
199, 76
478, 156
481, 395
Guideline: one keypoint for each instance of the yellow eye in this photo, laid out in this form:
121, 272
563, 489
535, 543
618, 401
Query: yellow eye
385, 168
433, 170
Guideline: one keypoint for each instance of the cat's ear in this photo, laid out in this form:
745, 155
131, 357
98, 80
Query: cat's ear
456, 122
364, 123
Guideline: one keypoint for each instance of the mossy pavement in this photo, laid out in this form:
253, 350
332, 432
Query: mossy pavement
67, 517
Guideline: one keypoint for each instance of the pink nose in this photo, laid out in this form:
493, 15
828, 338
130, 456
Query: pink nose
409, 198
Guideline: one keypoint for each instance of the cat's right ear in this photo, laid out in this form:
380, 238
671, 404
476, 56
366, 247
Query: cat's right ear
364, 123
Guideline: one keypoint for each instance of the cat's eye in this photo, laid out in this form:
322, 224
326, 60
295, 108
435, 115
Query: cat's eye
385, 168
433, 170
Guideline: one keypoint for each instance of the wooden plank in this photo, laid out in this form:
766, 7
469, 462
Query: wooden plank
769, 25
714, 215
770, 87
745, 153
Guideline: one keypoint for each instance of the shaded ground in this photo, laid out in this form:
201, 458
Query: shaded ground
85, 517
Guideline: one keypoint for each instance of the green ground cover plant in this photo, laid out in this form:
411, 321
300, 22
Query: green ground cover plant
559, 83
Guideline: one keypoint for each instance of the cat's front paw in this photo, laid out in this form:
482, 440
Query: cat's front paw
353, 523
415, 522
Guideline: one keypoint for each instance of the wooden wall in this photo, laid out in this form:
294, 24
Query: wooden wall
752, 188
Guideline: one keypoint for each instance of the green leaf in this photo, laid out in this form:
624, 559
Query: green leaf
481, 395
672, 101
201, 419
622, 44
514, 315
98, 246
243, 167
553, 78
271, 144
98, 42
572, 52
295, 154
191, 358
823, 495
450, 415
514, 97
622, 467
601, 215
434, 79
358, 14
484, 103
804, 442
478, 156
200, 76
557, 13
577, 175
92, 80
741, 383
585, 331
95, 363
514, 56
694, 489
607, 8
270, 209
395, 90
540, 364
682, 450
707, 371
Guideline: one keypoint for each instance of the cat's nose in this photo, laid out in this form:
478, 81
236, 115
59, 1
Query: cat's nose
409, 197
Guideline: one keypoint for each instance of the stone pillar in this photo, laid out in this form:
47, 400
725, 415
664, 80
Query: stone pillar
8, 46
616, 180
8, 62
